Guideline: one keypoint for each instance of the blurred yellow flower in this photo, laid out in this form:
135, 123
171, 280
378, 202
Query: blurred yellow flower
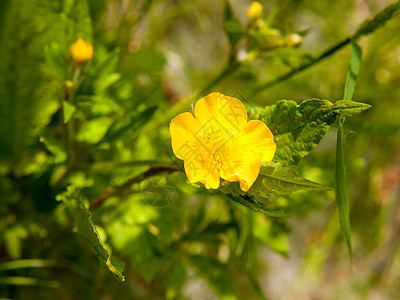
218, 141
81, 52
255, 11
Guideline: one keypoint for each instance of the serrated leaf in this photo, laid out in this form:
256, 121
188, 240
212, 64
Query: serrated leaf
298, 128
232, 26
283, 180
216, 274
86, 229
273, 178
129, 123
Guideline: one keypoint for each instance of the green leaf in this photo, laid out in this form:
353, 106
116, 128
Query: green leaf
68, 111
273, 178
298, 128
354, 70
379, 20
341, 188
25, 107
28, 263
216, 274
92, 131
176, 277
128, 124
81, 23
251, 203
271, 233
28, 281
232, 26
283, 180
54, 148
340, 168
85, 227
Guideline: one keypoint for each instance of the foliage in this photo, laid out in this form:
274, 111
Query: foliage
91, 193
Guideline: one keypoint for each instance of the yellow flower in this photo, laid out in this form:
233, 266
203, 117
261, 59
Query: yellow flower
255, 11
81, 52
219, 142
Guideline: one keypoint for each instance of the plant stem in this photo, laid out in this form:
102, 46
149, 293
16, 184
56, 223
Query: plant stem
367, 27
260, 88
113, 191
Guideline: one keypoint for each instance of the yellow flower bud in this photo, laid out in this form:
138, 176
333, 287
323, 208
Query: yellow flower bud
293, 40
81, 52
255, 11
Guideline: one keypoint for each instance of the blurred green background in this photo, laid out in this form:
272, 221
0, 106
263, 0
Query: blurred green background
102, 130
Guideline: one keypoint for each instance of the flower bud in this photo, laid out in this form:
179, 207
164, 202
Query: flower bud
255, 12
81, 52
293, 40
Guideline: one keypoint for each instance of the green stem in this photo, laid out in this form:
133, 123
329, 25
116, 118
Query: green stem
117, 191
68, 127
367, 27
260, 88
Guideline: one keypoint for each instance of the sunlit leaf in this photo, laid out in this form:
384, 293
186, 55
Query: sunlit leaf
28, 281
274, 178
354, 70
271, 234
85, 227
93, 131
128, 124
340, 168
68, 111
379, 20
341, 188
298, 128
28, 263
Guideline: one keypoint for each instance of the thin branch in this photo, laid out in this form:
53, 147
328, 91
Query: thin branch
259, 88
113, 191
366, 27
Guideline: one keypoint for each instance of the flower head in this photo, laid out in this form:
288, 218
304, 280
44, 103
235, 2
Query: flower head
218, 142
81, 52
255, 11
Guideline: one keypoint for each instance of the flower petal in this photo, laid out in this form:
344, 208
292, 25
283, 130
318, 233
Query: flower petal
243, 167
227, 112
256, 137
246, 152
197, 170
183, 129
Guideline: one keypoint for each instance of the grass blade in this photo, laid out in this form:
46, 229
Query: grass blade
354, 70
340, 168
341, 188
28, 281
